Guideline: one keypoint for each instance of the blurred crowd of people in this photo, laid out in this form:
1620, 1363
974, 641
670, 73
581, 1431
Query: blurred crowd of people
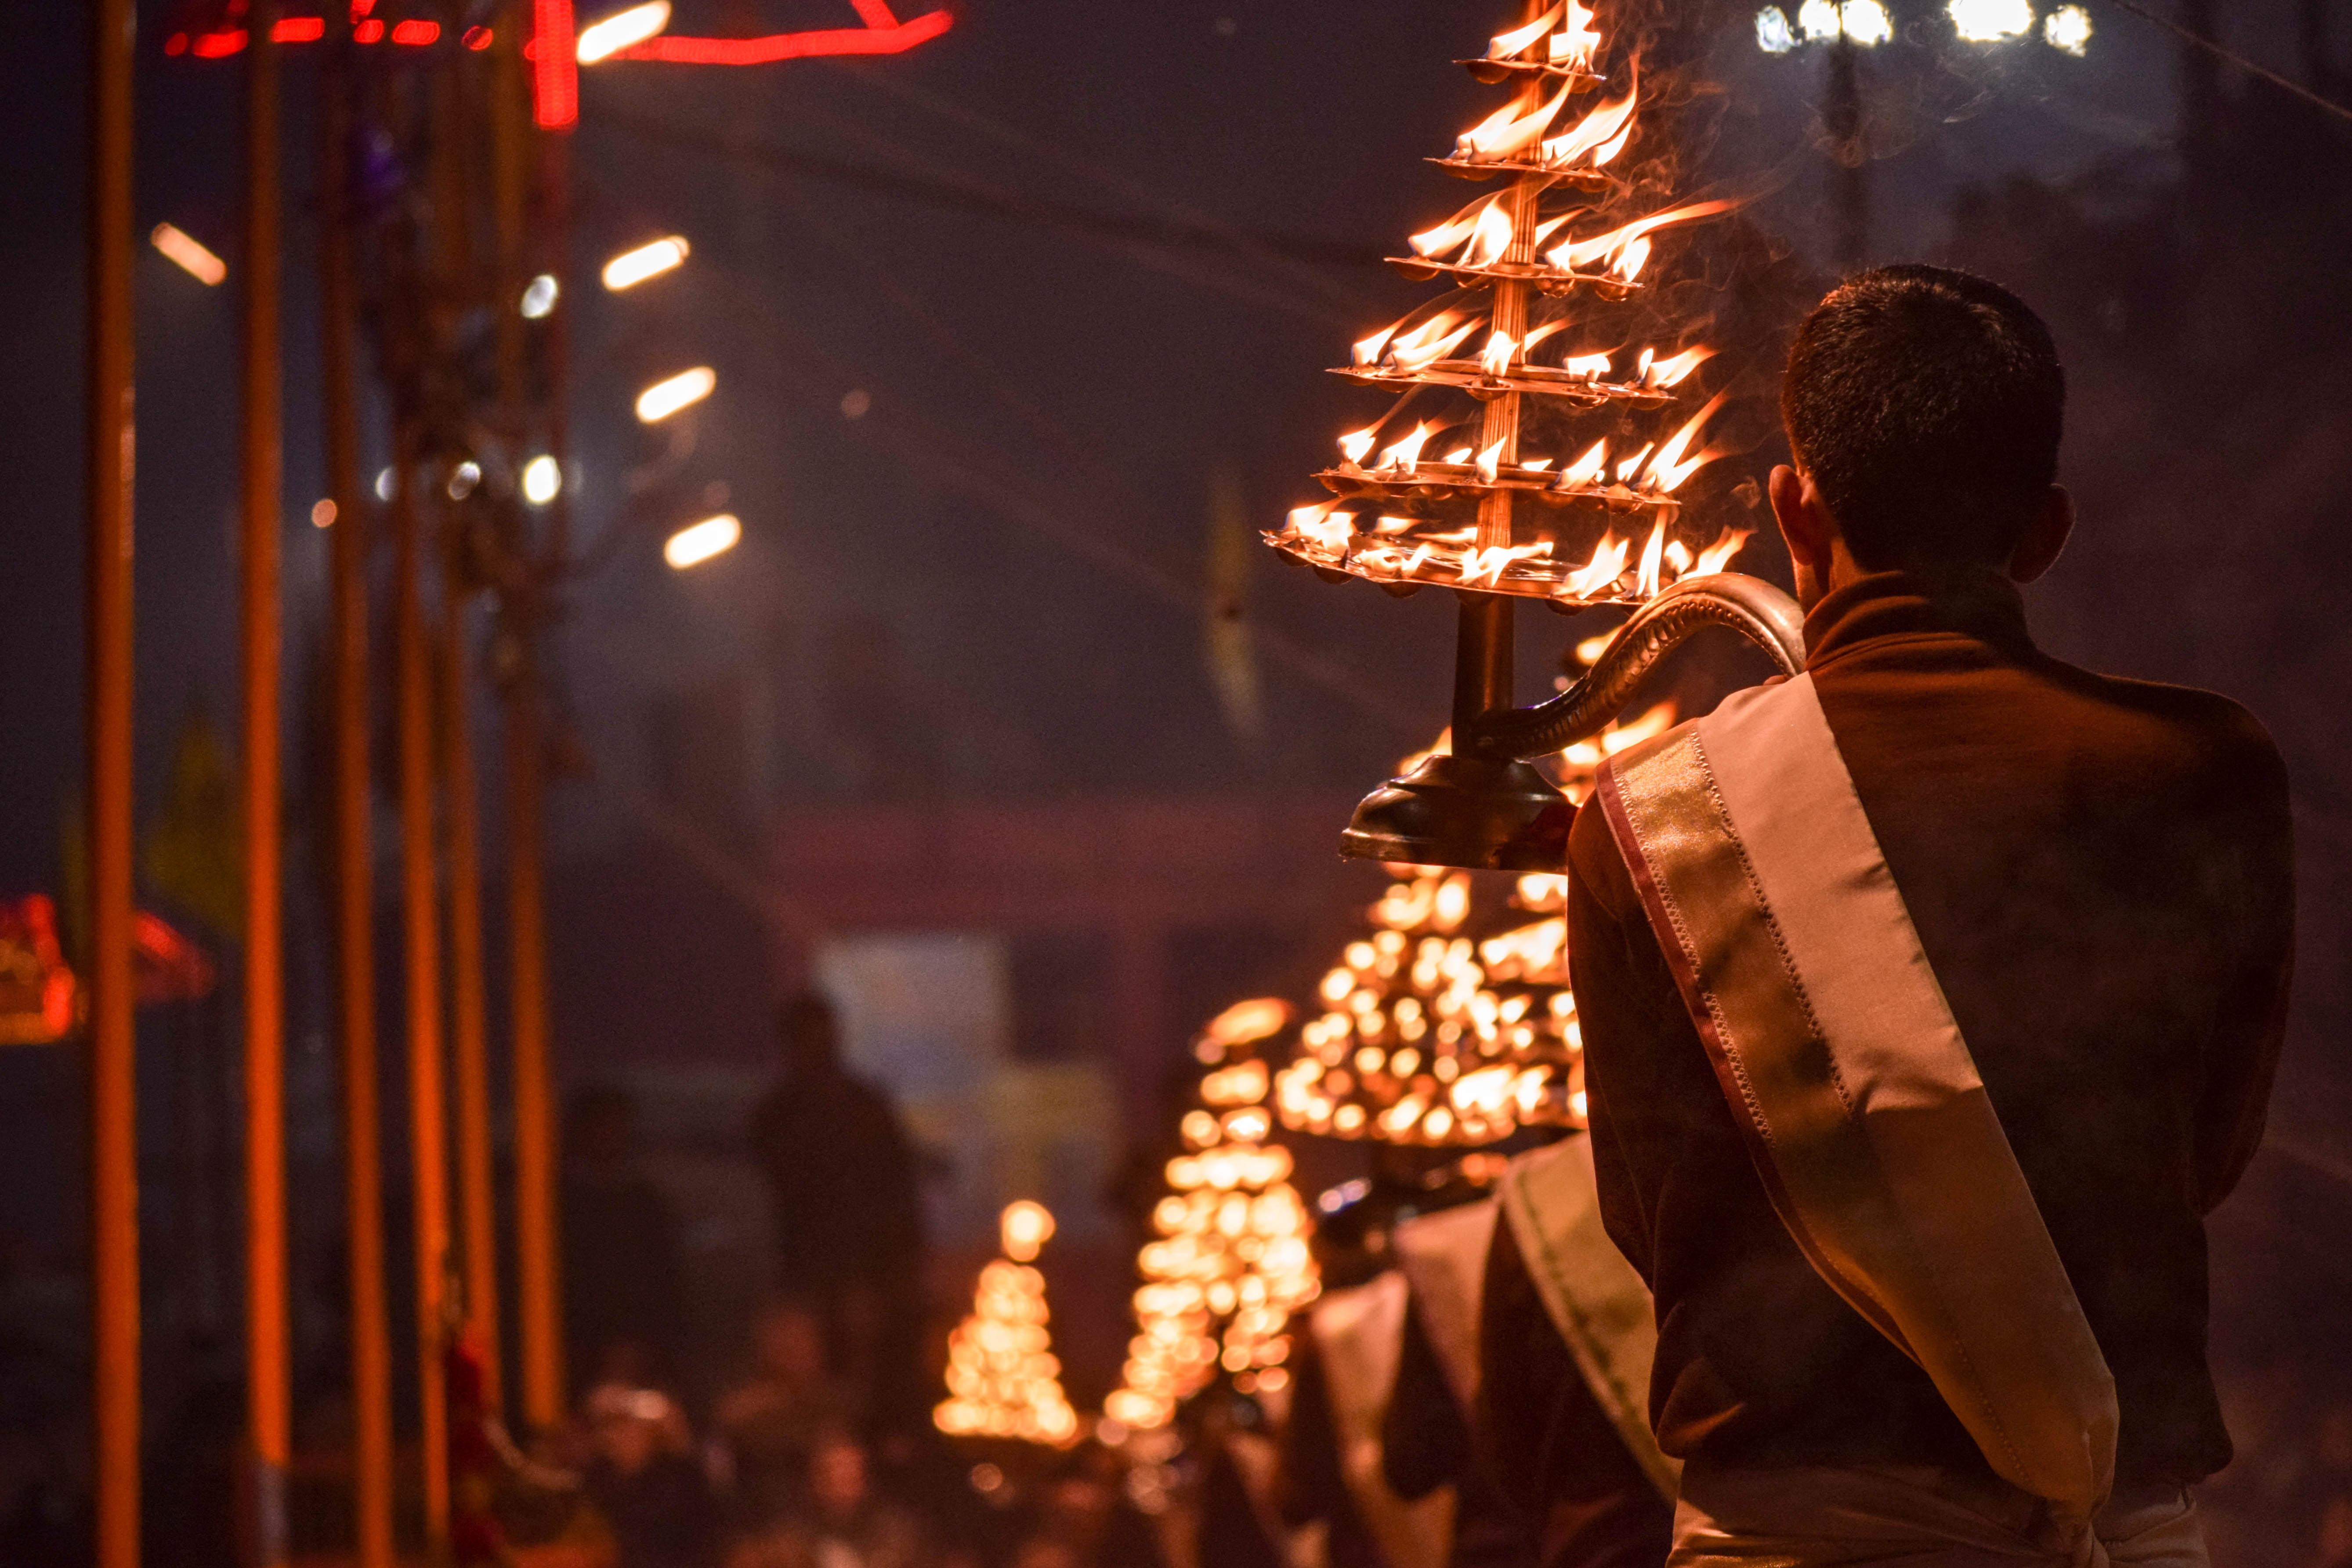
818, 1451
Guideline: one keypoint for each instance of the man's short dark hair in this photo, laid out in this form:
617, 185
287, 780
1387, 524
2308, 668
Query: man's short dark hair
1926, 406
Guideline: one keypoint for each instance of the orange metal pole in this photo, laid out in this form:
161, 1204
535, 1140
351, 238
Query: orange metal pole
477, 1204
537, 1241
421, 944
268, 1412
113, 1051
371, 1346
538, 1266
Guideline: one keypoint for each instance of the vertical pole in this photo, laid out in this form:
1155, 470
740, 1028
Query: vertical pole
268, 1416
1482, 657
537, 1270
421, 953
1847, 145
113, 1060
538, 1244
476, 1205
371, 1337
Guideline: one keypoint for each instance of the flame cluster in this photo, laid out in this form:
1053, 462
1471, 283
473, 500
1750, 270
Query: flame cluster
1003, 1380
1430, 1036
1228, 1263
1399, 491
1452, 1023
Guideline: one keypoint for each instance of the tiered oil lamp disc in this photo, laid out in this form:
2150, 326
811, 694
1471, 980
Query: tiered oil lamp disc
1228, 1264
1452, 1023
1466, 503
1003, 1380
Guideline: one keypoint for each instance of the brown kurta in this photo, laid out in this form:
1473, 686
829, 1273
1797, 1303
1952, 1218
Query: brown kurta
2100, 872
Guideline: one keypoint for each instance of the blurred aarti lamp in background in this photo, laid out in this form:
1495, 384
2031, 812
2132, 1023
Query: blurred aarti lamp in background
189, 254
699, 542
607, 37
684, 390
542, 480
632, 268
539, 298
1028, 1227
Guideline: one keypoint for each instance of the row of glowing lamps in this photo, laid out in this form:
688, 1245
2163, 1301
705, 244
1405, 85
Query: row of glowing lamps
2066, 28
542, 480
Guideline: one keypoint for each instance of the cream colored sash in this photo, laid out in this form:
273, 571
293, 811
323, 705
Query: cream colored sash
1595, 1299
1444, 1256
1864, 1112
1359, 1333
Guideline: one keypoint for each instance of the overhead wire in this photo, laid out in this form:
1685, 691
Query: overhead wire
2221, 51
1166, 245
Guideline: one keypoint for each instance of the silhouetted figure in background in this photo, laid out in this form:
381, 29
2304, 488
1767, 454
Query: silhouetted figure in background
624, 1290
845, 1205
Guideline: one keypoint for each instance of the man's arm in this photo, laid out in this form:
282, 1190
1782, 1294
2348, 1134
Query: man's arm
2241, 1060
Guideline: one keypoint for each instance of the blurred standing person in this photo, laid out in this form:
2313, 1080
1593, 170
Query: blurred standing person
644, 1480
624, 1290
845, 1200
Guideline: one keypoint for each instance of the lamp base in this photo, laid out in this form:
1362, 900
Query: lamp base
1469, 812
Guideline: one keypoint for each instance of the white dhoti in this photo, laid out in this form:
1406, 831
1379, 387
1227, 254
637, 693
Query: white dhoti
1899, 1517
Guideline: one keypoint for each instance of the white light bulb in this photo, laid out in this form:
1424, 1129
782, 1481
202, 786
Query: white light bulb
1866, 22
1773, 34
539, 296
1990, 21
2068, 30
542, 480
1817, 19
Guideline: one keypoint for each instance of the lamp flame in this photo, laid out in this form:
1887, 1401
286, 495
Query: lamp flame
1600, 131
1626, 248
1670, 468
1599, 574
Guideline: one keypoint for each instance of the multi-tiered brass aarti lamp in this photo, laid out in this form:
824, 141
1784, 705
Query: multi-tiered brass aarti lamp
1592, 524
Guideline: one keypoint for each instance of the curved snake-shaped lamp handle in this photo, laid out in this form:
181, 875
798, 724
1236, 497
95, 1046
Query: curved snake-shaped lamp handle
1749, 605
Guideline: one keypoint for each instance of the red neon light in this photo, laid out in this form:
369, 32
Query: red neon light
883, 34
177, 44
415, 35
299, 29
368, 32
218, 46
478, 39
555, 65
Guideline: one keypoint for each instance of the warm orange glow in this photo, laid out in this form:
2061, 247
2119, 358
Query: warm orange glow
1356, 443
1670, 468
1600, 135
189, 254
1672, 372
1449, 235
699, 542
1586, 468
1433, 341
1717, 556
1497, 359
1617, 245
651, 260
1646, 579
1600, 575
1509, 132
1026, 1228
1406, 456
1247, 1021
603, 39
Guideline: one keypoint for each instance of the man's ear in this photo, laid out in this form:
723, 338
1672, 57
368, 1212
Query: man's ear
1806, 528
2045, 537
